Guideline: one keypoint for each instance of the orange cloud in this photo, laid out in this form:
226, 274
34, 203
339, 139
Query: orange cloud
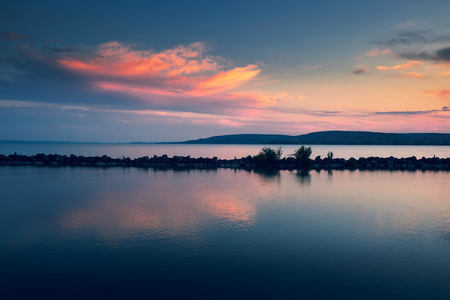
447, 74
114, 58
439, 94
183, 71
408, 65
413, 75
226, 80
411, 64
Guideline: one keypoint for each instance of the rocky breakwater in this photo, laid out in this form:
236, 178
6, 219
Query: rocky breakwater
187, 162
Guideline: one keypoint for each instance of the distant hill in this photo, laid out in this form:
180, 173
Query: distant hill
332, 138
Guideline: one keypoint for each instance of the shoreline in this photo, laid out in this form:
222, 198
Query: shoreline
186, 162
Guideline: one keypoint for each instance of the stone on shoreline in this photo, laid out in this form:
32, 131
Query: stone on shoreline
187, 162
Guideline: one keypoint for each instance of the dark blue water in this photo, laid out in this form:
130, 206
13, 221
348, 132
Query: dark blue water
87, 233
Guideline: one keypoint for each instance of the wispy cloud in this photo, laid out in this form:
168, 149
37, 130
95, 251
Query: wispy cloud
181, 76
400, 67
413, 74
439, 93
360, 71
415, 37
439, 55
310, 67
414, 112
9, 72
226, 80
409, 65
12, 36
406, 25
114, 58
378, 52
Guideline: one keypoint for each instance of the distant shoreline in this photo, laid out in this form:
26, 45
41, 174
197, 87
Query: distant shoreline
314, 138
248, 163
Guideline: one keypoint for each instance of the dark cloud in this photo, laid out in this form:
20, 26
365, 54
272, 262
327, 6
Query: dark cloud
415, 37
63, 50
12, 36
440, 55
303, 111
360, 71
414, 112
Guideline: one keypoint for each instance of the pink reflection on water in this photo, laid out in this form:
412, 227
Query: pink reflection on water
169, 204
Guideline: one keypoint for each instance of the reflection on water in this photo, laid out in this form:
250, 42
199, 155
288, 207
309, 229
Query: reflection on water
340, 234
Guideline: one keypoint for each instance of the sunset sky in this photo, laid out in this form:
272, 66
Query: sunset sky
123, 71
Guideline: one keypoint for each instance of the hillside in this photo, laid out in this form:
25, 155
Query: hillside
332, 138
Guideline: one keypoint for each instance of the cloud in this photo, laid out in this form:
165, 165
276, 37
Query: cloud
439, 55
382, 68
360, 71
406, 25
378, 52
415, 37
310, 67
415, 112
183, 76
226, 80
439, 93
9, 72
12, 36
114, 58
412, 75
407, 65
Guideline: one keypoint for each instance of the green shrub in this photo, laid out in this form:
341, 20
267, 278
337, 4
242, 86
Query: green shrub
268, 157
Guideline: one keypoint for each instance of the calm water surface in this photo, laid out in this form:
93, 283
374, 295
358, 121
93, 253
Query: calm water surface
221, 151
88, 233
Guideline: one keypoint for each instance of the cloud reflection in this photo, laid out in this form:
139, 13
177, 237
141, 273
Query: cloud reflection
165, 206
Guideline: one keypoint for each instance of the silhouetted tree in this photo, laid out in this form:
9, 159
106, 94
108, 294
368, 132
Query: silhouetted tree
302, 155
268, 157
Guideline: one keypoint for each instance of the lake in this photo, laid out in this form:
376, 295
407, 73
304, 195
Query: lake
128, 233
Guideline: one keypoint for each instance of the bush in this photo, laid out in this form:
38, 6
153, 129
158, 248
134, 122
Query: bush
268, 157
330, 155
302, 155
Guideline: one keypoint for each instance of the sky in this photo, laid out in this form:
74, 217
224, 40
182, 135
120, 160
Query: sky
152, 71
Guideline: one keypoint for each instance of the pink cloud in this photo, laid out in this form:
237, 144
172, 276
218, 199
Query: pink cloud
411, 64
412, 74
176, 74
114, 58
382, 68
439, 94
